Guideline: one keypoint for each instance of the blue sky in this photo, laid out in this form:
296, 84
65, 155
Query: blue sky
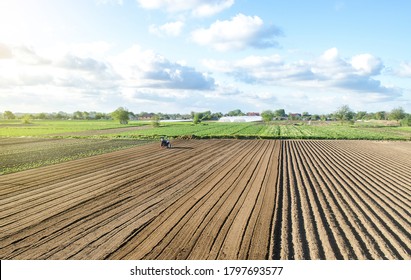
176, 56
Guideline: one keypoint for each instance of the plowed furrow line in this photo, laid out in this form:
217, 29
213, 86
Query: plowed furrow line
130, 179
215, 199
373, 165
319, 245
47, 174
79, 168
234, 241
176, 240
384, 214
398, 169
240, 195
298, 233
279, 216
49, 200
228, 193
192, 180
79, 190
157, 193
364, 234
384, 183
147, 241
315, 243
374, 225
256, 236
27, 244
60, 177
395, 208
218, 206
283, 243
387, 150
340, 218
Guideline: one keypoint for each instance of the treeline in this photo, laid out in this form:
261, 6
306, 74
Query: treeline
92, 115
343, 114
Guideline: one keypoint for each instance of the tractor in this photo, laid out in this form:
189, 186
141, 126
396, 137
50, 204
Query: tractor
165, 143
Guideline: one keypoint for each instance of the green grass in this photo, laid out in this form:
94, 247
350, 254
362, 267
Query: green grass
270, 131
274, 130
15, 128
18, 154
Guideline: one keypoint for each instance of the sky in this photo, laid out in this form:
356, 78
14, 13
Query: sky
178, 56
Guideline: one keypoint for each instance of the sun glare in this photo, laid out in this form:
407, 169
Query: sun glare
19, 21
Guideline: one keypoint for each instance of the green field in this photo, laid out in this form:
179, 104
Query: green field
18, 154
274, 130
14, 128
271, 131
26, 146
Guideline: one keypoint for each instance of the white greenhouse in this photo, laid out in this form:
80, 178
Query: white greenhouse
241, 119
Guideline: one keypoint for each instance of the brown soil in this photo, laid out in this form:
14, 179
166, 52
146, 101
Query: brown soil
215, 199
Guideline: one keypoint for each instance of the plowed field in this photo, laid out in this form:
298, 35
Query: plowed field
215, 199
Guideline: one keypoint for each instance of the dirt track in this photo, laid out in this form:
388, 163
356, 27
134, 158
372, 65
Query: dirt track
215, 199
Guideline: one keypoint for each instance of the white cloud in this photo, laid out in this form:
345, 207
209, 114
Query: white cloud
198, 8
82, 80
328, 71
104, 2
238, 33
330, 55
404, 70
145, 68
171, 29
367, 64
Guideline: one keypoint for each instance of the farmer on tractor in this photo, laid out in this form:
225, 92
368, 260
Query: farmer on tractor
165, 143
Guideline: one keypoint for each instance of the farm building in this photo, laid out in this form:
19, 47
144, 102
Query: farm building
241, 119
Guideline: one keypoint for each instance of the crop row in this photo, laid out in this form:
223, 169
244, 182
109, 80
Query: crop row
139, 129
17, 154
273, 131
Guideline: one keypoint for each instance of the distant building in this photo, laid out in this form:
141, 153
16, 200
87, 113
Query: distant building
292, 116
253, 114
146, 116
241, 119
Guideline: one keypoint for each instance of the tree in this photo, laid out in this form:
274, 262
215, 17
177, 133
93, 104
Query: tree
267, 115
406, 121
280, 113
9, 115
344, 113
206, 116
61, 115
86, 115
397, 114
196, 118
100, 116
77, 115
315, 117
26, 119
121, 115
381, 115
236, 112
41, 116
360, 115
155, 120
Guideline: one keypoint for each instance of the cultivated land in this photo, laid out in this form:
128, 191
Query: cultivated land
215, 199
25, 146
